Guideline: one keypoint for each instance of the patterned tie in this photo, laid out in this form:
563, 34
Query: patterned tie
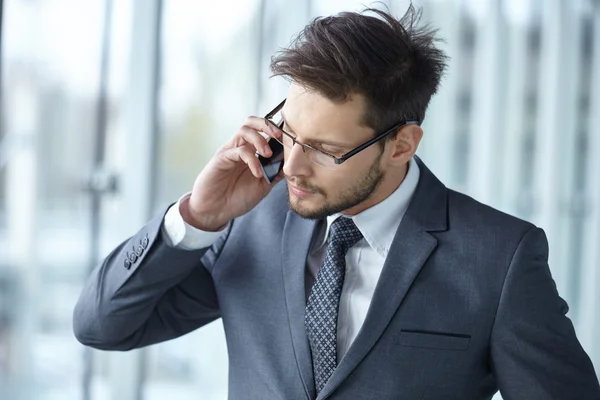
321, 313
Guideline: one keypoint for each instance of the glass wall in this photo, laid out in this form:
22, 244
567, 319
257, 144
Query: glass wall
110, 110
55, 94
50, 85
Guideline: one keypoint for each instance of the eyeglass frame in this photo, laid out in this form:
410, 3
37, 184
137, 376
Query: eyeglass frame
346, 156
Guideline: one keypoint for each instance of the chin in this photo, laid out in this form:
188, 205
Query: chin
303, 209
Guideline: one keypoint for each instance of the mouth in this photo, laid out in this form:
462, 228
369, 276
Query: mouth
298, 191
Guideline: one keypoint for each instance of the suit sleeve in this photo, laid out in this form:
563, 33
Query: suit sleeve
535, 353
146, 292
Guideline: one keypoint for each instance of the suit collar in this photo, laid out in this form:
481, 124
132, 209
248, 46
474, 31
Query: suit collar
429, 205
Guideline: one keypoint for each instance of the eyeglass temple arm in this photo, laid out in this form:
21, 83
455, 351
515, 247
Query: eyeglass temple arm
275, 110
374, 140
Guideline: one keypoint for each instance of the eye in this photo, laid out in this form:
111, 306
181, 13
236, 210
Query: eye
336, 151
326, 149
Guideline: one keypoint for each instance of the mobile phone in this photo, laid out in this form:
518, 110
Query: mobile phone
272, 166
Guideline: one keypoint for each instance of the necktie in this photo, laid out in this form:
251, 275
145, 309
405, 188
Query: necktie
321, 314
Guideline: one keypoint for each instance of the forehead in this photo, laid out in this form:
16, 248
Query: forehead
313, 115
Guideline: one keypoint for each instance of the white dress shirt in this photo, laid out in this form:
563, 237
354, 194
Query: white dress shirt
364, 261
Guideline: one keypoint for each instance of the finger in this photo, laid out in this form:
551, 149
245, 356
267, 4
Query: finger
245, 155
261, 125
249, 135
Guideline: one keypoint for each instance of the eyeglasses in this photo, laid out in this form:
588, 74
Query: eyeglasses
320, 157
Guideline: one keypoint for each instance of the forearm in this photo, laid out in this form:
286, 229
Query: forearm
122, 297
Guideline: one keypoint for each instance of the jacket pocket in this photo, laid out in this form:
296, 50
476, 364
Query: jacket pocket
434, 340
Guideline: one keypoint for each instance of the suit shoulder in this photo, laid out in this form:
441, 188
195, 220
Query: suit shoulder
466, 211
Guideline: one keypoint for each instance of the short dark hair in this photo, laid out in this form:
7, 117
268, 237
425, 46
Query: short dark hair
393, 63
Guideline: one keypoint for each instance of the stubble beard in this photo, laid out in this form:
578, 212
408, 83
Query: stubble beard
350, 197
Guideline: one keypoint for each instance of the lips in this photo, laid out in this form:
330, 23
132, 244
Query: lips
299, 192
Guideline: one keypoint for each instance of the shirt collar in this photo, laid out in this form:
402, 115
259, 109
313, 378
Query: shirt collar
378, 224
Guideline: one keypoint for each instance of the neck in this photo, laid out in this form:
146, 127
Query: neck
390, 183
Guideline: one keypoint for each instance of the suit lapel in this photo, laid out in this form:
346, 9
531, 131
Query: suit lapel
297, 235
410, 250
412, 246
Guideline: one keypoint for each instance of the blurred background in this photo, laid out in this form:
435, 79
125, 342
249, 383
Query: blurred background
111, 108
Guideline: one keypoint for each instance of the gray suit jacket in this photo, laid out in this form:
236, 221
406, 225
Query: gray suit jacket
465, 306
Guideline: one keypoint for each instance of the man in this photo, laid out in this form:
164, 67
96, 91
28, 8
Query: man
356, 274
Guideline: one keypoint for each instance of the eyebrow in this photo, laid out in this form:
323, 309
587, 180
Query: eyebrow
326, 142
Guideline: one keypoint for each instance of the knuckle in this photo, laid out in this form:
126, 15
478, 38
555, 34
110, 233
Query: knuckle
250, 121
247, 132
246, 155
240, 133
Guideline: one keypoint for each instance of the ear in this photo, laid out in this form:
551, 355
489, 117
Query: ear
404, 146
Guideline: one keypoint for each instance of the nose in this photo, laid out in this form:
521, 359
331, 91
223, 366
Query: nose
296, 162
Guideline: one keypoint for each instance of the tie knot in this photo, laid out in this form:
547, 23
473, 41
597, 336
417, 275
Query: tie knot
344, 233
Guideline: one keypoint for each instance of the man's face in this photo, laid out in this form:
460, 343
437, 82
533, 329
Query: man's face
315, 191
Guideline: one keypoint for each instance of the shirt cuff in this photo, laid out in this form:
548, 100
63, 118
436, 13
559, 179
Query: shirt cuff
179, 234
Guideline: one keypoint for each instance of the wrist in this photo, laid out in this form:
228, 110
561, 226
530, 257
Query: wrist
197, 220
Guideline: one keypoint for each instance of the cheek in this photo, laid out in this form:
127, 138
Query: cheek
327, 183
333, 182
